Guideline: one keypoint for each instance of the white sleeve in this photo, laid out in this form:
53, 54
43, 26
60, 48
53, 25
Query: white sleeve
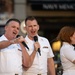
69, 52
50, 53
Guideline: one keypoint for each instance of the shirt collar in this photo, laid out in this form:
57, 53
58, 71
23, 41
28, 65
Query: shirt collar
27, 38
3, 37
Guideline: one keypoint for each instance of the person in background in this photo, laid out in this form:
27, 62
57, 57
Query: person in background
42, 59
13, 53
67, 50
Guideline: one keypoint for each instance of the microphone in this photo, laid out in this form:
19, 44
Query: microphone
36, 39
23, 43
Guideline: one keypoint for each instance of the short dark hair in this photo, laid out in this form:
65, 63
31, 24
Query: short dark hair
30, 18
13, 19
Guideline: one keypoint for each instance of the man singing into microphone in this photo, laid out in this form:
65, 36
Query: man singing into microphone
12, 52
39, 50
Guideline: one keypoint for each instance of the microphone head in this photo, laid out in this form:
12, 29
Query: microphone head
35, 38
17, 36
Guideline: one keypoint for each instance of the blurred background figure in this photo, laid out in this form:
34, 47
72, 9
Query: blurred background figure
67, 50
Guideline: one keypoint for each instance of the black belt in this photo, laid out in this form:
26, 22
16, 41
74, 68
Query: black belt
38, 74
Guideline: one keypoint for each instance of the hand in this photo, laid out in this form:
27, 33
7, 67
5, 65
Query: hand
36, 46
18, 40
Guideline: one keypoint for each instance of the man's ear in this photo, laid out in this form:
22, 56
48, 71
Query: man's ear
5, 27
38, 27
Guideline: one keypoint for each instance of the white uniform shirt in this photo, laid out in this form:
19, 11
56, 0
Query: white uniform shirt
40, 62
10, 58
67, 55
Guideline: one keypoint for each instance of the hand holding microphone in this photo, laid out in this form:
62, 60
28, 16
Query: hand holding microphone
18, 39
36, 40
23, 42
36, 46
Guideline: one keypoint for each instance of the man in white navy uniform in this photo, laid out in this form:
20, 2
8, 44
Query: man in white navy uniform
12, 53
42, 61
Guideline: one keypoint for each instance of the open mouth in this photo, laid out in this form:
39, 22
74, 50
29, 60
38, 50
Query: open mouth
33, 32
14, 33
